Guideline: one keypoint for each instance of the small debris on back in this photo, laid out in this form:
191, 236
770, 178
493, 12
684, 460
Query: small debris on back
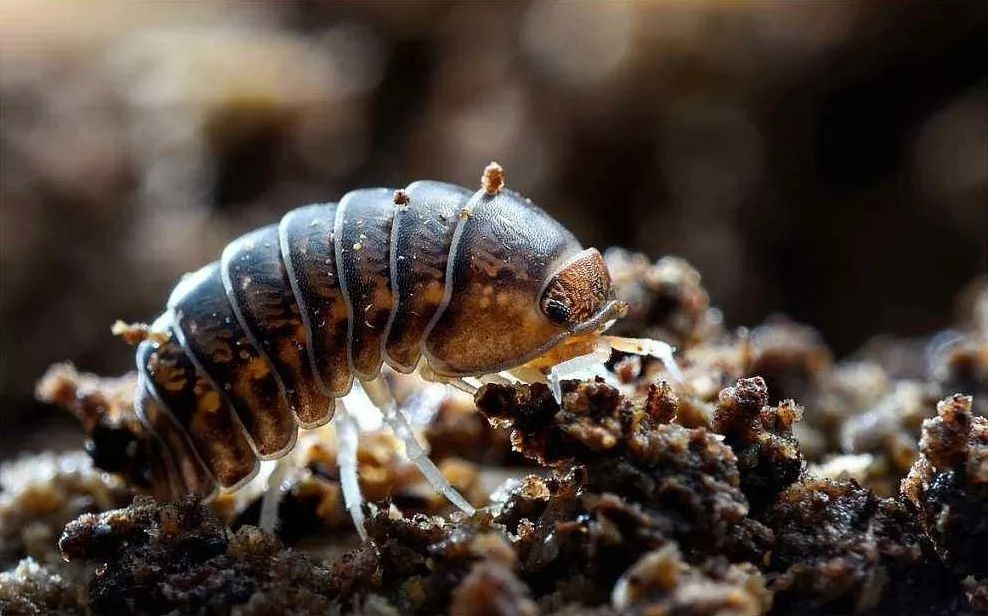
492, 180
136, 333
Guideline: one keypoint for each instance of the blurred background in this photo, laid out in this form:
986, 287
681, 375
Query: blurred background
828, 161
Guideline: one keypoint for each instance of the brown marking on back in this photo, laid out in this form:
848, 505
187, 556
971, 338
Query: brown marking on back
364, 219
422, 236
199, 410
308, 251
260, 293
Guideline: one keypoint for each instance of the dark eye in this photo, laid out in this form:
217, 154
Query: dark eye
557, 311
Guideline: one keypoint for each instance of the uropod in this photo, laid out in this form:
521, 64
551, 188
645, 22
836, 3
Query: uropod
462, 286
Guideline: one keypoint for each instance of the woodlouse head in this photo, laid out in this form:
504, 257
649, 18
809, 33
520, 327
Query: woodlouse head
519, 285
578, 296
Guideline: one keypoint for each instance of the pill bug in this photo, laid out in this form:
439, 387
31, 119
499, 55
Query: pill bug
434, 277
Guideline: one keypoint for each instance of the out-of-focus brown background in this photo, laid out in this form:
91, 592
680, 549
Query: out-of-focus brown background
828, 160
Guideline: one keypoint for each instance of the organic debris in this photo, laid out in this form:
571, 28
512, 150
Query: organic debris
156, 559
765, 481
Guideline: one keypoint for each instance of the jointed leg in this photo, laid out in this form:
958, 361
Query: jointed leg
347, 440
268, 519
592, 364
457, 383
380, 394
422, 405
500, 378
652, 348
589, 365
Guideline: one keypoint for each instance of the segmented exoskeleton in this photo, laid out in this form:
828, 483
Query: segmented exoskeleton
453, 282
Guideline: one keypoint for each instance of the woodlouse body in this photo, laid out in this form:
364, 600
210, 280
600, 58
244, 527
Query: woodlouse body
265, 339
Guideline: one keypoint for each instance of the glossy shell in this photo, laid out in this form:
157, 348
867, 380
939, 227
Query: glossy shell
263, 340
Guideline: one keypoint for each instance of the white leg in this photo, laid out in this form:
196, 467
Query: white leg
652, 348
422, 405
347, 440
584, 366
500, 378
526, 374
461, 384
380, 394
268, 520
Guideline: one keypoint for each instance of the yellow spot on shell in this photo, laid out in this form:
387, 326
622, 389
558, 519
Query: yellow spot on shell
257, 368
209, 403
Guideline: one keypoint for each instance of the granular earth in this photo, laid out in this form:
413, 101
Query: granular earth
771, 480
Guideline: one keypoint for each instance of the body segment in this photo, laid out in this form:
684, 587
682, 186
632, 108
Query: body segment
261, 296
424, 221
210, 333
200, 410
363, 231
308, 250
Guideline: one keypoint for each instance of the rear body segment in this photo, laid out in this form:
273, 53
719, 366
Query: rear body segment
171, 447
208, 330
200, 410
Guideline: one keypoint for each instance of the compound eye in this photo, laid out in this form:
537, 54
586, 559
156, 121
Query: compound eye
577, 291
557, 311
